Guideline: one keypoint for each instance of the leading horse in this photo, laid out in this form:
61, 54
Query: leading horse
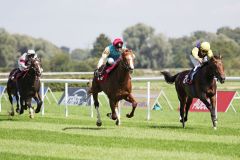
117, 86
203, 87
28, 86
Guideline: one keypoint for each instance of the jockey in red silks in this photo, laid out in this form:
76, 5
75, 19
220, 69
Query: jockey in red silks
110, 56
200, 53
23, 63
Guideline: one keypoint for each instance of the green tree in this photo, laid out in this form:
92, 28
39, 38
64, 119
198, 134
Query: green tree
137, 38
99, 45
231, 33
158, 52
80, 54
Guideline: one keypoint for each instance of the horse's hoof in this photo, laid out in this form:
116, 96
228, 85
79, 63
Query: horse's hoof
31, 116
129, 115
25, 107
21, 112
109, 115
215, 128
37, 110
183, 125
17, 110
11, 114
118, 122
99, 124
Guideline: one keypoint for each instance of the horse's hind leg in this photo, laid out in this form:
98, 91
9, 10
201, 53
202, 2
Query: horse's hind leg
96, 104
134, 105
188, 104
182, 104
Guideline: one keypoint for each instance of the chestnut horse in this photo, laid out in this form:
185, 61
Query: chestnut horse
117, 86
28, 87
203, 87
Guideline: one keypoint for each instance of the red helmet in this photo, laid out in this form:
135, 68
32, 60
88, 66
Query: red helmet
118, 42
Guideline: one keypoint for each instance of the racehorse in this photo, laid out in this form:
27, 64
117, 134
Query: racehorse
117, 86
203, 87
28, 86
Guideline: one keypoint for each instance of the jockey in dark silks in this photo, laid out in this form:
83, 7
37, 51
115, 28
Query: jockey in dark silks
200, 54
110, 56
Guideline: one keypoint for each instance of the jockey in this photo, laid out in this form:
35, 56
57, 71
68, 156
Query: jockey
109, 56
200, 54
23, 62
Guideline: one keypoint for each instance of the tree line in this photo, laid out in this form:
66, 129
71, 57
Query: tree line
153, 50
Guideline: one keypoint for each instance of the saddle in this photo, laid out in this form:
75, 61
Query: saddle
104, 71
17, 74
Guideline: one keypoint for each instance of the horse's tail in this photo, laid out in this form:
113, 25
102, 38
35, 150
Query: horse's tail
168, 77
89, 84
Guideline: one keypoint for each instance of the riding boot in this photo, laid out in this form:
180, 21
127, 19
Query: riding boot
189, 78
102, 72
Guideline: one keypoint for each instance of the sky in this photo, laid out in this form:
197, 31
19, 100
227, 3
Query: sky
77, 23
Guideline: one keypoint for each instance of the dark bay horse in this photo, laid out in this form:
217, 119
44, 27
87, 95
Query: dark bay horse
117, 86
203, 87
28, 87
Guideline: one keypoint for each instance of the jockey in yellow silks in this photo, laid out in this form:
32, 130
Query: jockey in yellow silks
200, 53
110, 56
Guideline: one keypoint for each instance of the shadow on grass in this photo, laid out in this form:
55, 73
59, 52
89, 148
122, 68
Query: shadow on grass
168, 127
8, 118
83, 128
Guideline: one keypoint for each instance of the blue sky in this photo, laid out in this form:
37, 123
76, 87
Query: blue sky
77, 23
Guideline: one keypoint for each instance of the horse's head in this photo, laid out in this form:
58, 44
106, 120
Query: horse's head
128, 60
218, 69
36, 66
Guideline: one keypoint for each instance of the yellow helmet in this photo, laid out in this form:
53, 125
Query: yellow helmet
205, 46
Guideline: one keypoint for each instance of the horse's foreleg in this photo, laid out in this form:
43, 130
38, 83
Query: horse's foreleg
211, 109
134, 105
188, 104
17, 101
22, 106
114, 108
96, 104
38, 99
31, 110
11, 113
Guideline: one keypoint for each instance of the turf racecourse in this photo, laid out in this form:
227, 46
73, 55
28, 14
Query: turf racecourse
53, 136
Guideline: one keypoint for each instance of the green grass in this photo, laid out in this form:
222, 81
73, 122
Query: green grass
54, 136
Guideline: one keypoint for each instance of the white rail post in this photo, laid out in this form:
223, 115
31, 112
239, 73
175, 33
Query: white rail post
148, 100
66, 99
42, 95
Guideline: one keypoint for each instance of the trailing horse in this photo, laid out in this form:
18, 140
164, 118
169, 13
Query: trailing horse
28, 86
116, 86
203, 87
